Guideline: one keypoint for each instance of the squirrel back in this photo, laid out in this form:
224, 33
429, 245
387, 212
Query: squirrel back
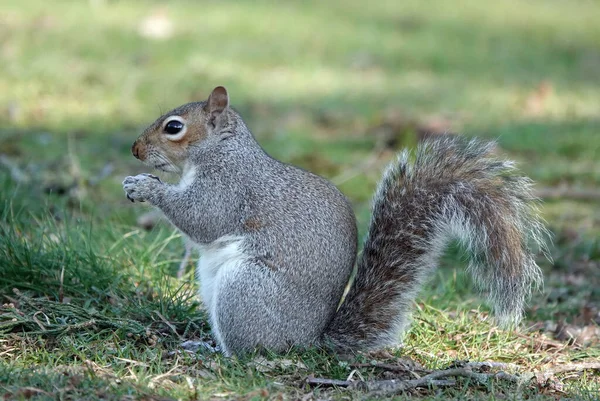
278, 243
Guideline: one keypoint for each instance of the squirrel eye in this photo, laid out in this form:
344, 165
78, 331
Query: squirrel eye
173, 127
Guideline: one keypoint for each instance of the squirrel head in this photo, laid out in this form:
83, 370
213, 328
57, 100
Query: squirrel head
165, 145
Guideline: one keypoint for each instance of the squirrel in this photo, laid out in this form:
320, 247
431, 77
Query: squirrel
278, 244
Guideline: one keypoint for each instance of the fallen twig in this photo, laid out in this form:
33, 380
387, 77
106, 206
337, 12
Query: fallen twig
437, 378
389, 366
391, 387
318, 381
572, 367
486, 365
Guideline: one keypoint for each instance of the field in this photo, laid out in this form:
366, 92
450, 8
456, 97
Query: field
90, 306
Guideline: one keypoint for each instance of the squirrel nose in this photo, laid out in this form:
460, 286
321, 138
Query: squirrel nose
135, 150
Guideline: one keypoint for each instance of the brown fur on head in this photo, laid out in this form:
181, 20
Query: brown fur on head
165, 144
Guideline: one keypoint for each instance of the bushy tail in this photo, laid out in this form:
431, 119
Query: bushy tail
454, 189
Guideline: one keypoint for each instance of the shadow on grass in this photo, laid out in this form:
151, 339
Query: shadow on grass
67, 275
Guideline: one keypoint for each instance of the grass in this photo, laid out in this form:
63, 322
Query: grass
91, 308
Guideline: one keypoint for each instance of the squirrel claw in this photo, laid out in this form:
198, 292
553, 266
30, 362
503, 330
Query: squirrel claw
152, 176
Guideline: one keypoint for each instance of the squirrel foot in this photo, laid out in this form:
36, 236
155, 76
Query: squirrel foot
140, 187
199, 346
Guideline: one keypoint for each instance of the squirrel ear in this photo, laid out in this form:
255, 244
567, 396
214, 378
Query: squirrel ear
217, 102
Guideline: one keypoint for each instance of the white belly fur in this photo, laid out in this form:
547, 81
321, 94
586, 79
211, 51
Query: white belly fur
220, 256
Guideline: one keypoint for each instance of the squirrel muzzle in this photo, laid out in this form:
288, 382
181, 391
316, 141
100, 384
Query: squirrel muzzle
138, 151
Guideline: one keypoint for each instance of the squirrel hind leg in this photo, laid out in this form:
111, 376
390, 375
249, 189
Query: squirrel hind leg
275, 318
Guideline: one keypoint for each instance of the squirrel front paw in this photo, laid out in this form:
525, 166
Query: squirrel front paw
141, 187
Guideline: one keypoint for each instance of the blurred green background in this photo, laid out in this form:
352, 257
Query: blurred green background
337, 87
526, 73
318, 82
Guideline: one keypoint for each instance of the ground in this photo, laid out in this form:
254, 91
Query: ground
90, 305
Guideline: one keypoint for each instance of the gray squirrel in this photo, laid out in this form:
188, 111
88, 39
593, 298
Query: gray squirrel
278, 243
